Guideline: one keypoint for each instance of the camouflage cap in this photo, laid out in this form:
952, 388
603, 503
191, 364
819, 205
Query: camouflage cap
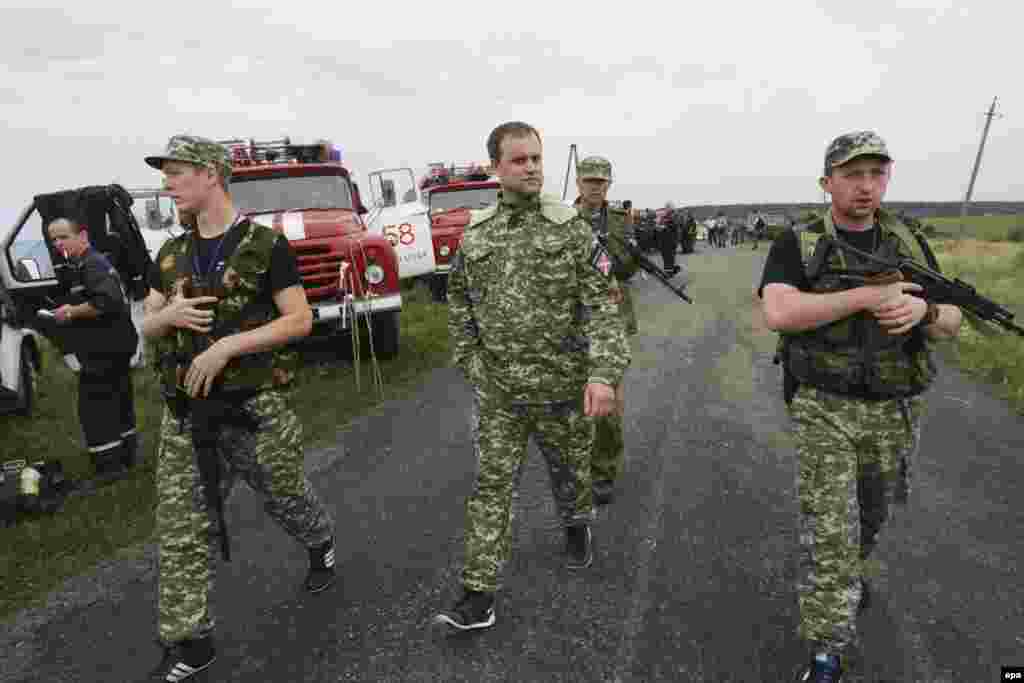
193, 149
847, 147
594, 167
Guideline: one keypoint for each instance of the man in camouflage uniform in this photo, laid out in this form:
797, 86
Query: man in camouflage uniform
537, 334
857, 361
223, 369
593, 179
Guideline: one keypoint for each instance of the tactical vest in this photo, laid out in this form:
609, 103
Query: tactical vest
238, 309
855, 356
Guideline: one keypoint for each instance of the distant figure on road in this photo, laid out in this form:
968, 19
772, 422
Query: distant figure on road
537, 334
759, 228
856, 362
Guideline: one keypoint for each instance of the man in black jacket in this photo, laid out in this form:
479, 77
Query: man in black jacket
104, 340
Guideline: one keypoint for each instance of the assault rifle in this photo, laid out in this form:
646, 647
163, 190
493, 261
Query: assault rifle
644, 263
937, 288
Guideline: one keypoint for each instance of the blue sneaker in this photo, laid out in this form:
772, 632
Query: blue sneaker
824, 668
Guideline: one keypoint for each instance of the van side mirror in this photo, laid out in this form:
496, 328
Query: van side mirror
28, 269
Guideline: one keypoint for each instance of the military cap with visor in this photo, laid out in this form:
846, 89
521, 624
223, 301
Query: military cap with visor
597, 168
192, 149
848, 147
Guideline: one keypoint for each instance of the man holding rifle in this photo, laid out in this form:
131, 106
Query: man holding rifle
855, 347
593, 179
228, 301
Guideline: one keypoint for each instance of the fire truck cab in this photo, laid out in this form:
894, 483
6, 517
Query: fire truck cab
450, 192
304, 191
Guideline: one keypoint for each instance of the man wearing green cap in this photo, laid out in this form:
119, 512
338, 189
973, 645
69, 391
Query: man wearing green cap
228, 301
856, 362
593, 180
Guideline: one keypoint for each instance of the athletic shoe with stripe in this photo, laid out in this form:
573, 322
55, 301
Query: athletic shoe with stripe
824, 668
184, 660
321, 567
474, 610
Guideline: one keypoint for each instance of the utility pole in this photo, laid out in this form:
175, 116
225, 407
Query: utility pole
568, 167
977, 162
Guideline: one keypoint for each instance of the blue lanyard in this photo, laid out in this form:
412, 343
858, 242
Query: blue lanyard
211, 264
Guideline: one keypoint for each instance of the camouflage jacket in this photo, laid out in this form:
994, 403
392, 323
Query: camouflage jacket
242, 306
529, 315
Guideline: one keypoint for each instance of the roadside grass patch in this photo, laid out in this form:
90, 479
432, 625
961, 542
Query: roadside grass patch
991, 354
987, 228
41, 552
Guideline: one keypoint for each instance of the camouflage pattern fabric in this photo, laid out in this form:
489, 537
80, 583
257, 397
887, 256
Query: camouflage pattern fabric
500, 434
528, 313
271, 463
855, 458
239, 286
595, 167
192, 149
847, 147
609, 433
532, 323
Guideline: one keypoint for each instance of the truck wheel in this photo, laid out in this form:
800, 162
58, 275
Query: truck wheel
26, 387
385, 334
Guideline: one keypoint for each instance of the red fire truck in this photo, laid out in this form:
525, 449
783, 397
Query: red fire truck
450, 192
305, 192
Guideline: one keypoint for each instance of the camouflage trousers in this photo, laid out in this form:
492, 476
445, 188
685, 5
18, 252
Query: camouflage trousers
609, 442
501, 432
627, 311
271, 463
855, 459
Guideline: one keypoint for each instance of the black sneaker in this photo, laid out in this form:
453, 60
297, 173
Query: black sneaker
474, 610
822, 669
184, 660
579, 546
604, 491
321, 567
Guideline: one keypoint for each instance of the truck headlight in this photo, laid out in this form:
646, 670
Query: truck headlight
374, 274
444, 250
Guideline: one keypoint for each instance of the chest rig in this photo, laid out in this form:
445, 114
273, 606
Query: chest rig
855, 356
242, 305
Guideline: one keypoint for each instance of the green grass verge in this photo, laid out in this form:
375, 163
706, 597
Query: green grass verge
41, 552
996, 270
988, 228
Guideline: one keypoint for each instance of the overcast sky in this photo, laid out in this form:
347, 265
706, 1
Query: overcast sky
698, 102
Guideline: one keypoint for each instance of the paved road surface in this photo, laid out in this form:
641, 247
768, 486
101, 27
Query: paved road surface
695, 560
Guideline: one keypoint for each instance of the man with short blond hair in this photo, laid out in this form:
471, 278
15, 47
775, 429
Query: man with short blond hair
228, 302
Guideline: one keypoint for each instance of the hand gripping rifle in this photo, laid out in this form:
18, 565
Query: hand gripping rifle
937, 288
644, 263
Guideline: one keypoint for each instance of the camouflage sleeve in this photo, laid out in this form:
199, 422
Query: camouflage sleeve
462, 328
609, 353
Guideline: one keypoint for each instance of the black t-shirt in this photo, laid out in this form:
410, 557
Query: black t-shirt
282, 273
784, 264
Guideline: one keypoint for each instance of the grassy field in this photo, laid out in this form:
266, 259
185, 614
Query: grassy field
39, 553
988, 228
